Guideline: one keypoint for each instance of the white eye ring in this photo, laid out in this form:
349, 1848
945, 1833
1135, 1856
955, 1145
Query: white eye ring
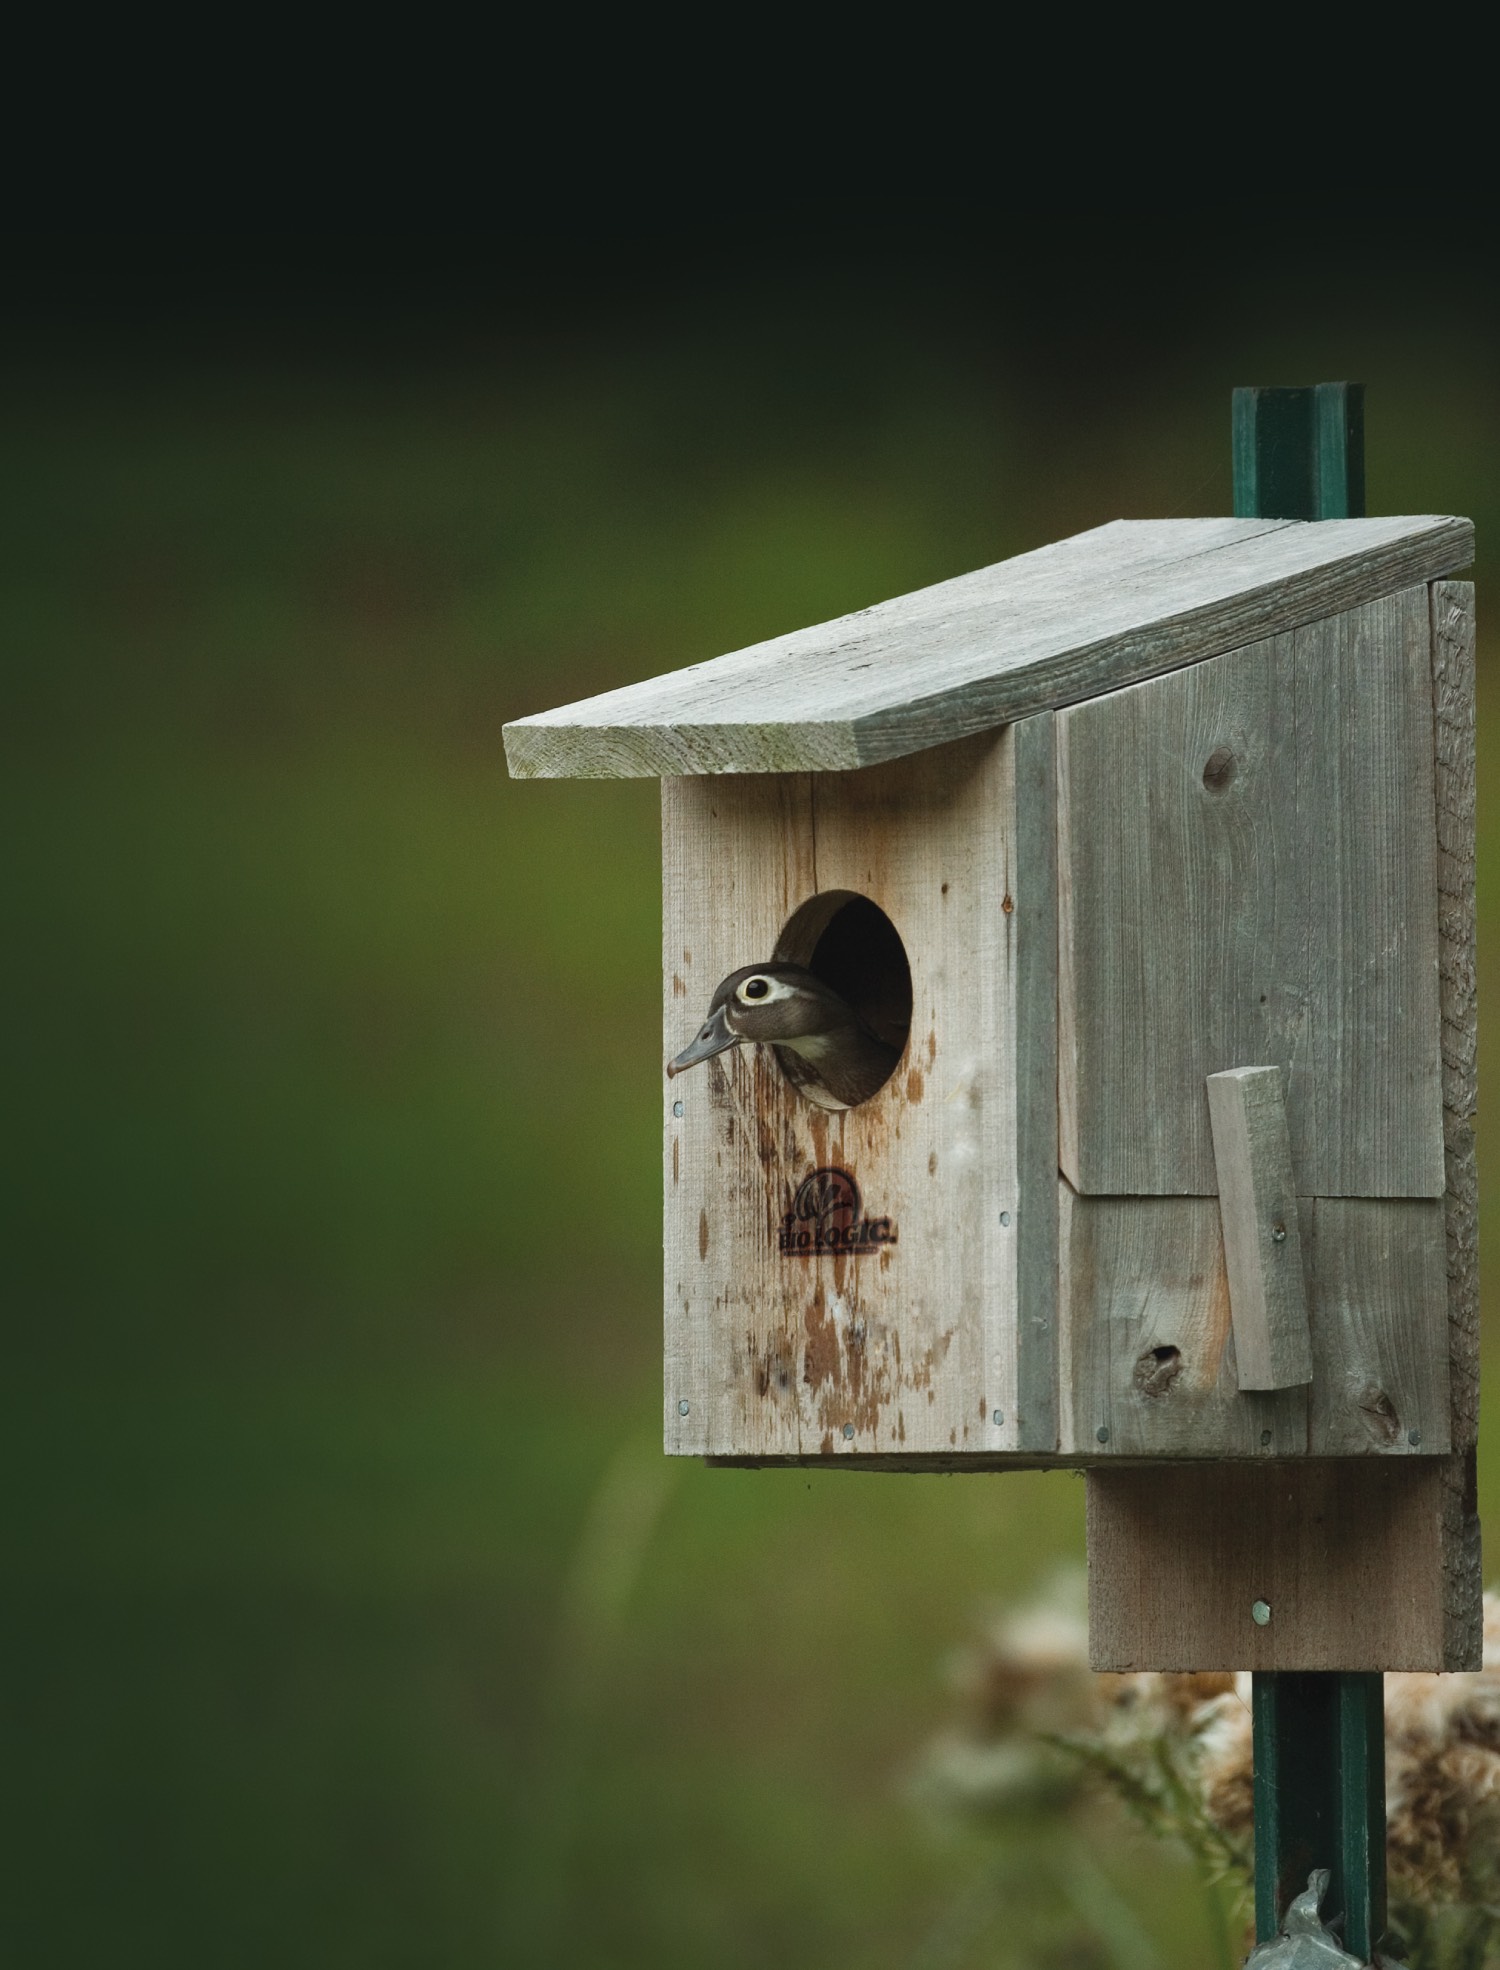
755, 991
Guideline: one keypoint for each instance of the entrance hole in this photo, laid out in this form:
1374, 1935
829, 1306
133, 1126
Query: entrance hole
852, 945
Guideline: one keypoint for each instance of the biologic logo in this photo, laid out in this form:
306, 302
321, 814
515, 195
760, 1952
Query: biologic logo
827, 1218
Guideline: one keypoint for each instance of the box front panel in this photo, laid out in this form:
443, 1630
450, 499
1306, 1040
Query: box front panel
844, 1283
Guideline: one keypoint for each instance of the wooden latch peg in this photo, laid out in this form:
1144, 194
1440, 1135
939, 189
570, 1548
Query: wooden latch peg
1262, 1246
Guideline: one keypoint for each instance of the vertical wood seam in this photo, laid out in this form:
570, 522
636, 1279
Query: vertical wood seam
1453, 683
1036, 1053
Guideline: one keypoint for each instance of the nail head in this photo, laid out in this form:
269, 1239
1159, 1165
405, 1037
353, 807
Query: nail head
848, 1432
1260, 1613
682, 1408
1102, 1434
1005, 1217
999, 1417
1278, 1234
677, 1109
1414, 1437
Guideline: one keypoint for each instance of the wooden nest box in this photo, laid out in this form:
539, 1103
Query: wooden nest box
1153, 851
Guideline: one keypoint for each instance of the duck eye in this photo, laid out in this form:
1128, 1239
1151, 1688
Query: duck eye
755, 988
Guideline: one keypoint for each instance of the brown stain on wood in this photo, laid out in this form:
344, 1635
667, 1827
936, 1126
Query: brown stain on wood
820, 1359
679, 990
916, 1087
703, 1234
852, 1364
771, 1367
676, 1158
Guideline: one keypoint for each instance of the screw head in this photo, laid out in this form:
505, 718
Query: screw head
682, 1408
1102, 1434
677, 1109
848, 1432
1260, 1613
1278, 1234
998, 1418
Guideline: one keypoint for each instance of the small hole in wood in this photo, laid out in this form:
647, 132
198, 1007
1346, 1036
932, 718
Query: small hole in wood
1156, 1370
852, 945
1219, 769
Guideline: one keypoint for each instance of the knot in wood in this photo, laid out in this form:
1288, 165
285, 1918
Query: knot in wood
1218, 769
1378, 1414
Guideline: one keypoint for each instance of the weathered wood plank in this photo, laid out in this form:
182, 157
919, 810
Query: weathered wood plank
1247, 873
1379, 1325
1453, 732
1462, 1562
1030, 903
1453, 723
1067, 622
1262, 1239
911, 1349
1148, 1353
1147, 1358
737, 859
1357, 1568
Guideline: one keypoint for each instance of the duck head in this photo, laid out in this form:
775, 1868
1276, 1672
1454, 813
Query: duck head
822, 1044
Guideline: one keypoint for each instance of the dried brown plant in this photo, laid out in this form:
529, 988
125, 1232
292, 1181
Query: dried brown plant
1177, 1752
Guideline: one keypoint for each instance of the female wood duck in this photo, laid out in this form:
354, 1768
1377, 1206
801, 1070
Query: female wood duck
823, 1046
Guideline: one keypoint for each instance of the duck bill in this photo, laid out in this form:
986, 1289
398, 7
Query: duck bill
715, 1037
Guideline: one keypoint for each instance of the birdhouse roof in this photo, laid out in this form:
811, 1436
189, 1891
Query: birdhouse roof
1084, 616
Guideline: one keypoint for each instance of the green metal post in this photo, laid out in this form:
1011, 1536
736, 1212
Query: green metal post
1320, 1800
1300, 454
1319, 1738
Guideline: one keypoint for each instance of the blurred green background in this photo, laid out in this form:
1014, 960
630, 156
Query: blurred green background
352, 1614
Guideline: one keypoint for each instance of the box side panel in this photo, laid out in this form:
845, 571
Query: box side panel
1247, 877
907, 1347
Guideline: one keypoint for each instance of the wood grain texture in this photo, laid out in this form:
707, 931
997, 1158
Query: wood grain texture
1453, 725
1247, 873
1358, 1564
1453, 651
1147, 1357
1462, 1562
911, 1349
1083, 616
1032, 894
1377, 1284
1148, 1352
1262, 1239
